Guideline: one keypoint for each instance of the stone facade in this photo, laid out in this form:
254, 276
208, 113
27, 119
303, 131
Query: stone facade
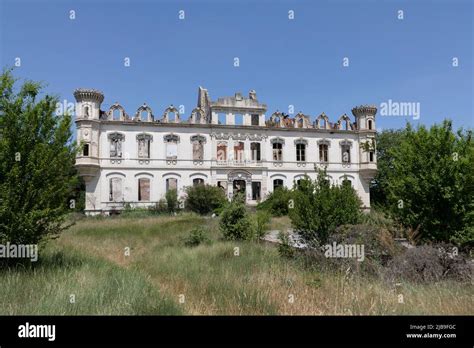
229, 142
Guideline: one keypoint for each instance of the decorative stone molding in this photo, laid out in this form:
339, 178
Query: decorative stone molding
239, 175
171, 138
301, 141
165, 118
148, 110
198, 138
144, 136
117, 106
277, 140
82, 94
324, 142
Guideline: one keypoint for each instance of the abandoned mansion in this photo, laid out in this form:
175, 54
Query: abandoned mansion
136, 158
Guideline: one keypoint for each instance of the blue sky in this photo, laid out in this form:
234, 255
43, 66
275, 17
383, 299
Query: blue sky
297, 62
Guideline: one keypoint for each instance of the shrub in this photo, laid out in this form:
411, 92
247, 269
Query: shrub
319, 208
196, 237
235, 222
261, 220
172, 200
204, 199
285, 249
429, 263
276, 202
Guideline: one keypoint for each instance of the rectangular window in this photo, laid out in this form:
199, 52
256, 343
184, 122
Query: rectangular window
323, 153
371, 156
222, 152
300, 152
277, 152
115, 148
171, 150
198, 151
277, 183
85, 150
256, 191
255, 120
115, 190
255, 149
171, 184
143, 189
346, 153
144, 148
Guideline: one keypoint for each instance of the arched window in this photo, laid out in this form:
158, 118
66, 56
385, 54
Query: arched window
198, 181
143, 189
277, 183
171, 184
116, 115
346, 183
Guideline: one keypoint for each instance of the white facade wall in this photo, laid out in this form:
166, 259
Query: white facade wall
98, 167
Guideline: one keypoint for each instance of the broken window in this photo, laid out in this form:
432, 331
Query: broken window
116, 140
171, 184
323, 153
300, 152
255, 149
277, 151
198, 181
277, 183
143, 189
346, 153
255, 120
221, 151
144, 141
239, 151
115, 190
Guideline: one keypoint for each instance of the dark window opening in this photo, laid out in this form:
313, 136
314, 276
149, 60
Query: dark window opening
256, 191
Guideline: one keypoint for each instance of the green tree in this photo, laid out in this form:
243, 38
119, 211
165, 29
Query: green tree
204, 199
320, 207
172, 200
430, 182
36, 157
235, 223
387, 141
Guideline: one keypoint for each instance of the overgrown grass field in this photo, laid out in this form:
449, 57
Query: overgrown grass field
140, 266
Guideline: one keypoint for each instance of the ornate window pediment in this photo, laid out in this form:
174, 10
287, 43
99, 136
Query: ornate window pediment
277, 141
324, 142
171, 138
198, 138
301, 141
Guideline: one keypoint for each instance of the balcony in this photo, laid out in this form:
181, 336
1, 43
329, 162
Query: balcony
237, 163
87, 167
368, 170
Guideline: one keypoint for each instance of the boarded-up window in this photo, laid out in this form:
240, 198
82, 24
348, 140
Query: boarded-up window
115, 190
171, 184
239, 151
221, 151
171, 150
198, 151
143, 189
144, 148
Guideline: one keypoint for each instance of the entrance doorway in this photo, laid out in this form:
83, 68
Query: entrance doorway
239, 187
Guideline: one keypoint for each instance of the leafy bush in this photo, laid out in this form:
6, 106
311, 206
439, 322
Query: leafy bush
285, 249
196, 237
319, 208
429, 181
276, 202
236, 223
429, 263
172, 200
261, 220
204, 199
